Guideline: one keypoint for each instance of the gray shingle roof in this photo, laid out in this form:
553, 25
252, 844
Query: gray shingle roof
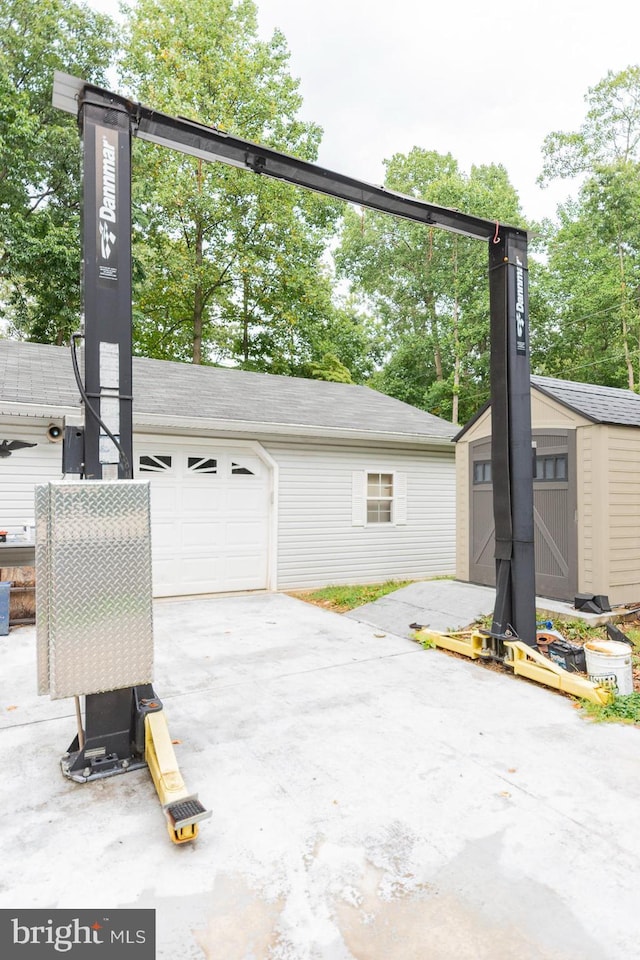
599, 404
42, 375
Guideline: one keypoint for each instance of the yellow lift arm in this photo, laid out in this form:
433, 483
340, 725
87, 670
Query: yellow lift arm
523, 660
530, 663
182, 809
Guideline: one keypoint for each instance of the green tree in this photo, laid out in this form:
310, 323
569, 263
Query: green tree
428, 289
330, 368
228, 263
594, 256
40, 161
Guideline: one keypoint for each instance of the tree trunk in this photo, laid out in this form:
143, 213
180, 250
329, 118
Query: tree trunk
433, 323
198, 292
198, 301
245, 317
455, 399
628, 359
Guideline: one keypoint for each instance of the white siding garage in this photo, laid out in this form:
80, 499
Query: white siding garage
326, 537
257, 481
24, 468
210, 514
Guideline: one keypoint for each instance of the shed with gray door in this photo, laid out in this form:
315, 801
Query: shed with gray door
586, 459
257, 481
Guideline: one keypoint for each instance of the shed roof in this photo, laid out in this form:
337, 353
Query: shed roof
36, 377
599, 404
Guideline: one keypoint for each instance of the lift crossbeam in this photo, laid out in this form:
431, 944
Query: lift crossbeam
210, 143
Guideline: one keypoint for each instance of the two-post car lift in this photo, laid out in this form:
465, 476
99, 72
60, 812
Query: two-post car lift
107, 123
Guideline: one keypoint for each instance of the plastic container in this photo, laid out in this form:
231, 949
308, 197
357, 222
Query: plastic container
610, 658
5, 594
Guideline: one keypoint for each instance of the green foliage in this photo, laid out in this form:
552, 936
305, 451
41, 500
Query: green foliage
633, 634
592, 282
228, 263
39, 161
427, 642
428, 289
232, 268
330, 368
342, 598
576, 630
625, 709
610, 132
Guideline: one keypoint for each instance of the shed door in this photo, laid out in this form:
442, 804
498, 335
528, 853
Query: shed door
554, 514
482, 564
210, 515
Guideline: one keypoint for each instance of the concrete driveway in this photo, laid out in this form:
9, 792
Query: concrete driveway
440, 604
371, 800
448, 605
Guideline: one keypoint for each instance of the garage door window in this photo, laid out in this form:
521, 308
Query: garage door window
238, 470
156, 463
202, 465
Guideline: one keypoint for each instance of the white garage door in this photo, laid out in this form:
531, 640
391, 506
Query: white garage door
210, 513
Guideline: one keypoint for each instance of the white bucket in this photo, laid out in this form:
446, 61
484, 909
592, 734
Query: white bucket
610, 658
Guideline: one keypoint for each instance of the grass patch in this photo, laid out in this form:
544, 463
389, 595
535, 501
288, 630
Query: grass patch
348, 597
633, 633
624, 709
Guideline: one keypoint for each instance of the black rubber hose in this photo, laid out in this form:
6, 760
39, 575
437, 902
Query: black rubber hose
126, 466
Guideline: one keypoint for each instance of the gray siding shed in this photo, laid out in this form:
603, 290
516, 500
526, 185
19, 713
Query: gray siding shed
600, 516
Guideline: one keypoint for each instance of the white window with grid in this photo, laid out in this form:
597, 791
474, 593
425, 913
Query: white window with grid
379, 498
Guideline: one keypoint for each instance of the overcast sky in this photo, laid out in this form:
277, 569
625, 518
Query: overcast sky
483, 81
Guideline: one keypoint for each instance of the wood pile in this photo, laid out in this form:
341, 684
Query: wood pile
22, 598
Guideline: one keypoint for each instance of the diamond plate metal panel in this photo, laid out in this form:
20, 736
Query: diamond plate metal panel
97, 552
42, 500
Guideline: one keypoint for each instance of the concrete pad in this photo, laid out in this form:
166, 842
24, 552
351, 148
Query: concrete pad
439, 604
450, 605
372, 800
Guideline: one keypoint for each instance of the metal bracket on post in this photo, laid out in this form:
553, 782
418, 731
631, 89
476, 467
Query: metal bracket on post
108, 746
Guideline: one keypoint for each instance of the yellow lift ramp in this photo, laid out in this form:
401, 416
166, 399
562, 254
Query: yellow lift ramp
524, 660
182, 809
